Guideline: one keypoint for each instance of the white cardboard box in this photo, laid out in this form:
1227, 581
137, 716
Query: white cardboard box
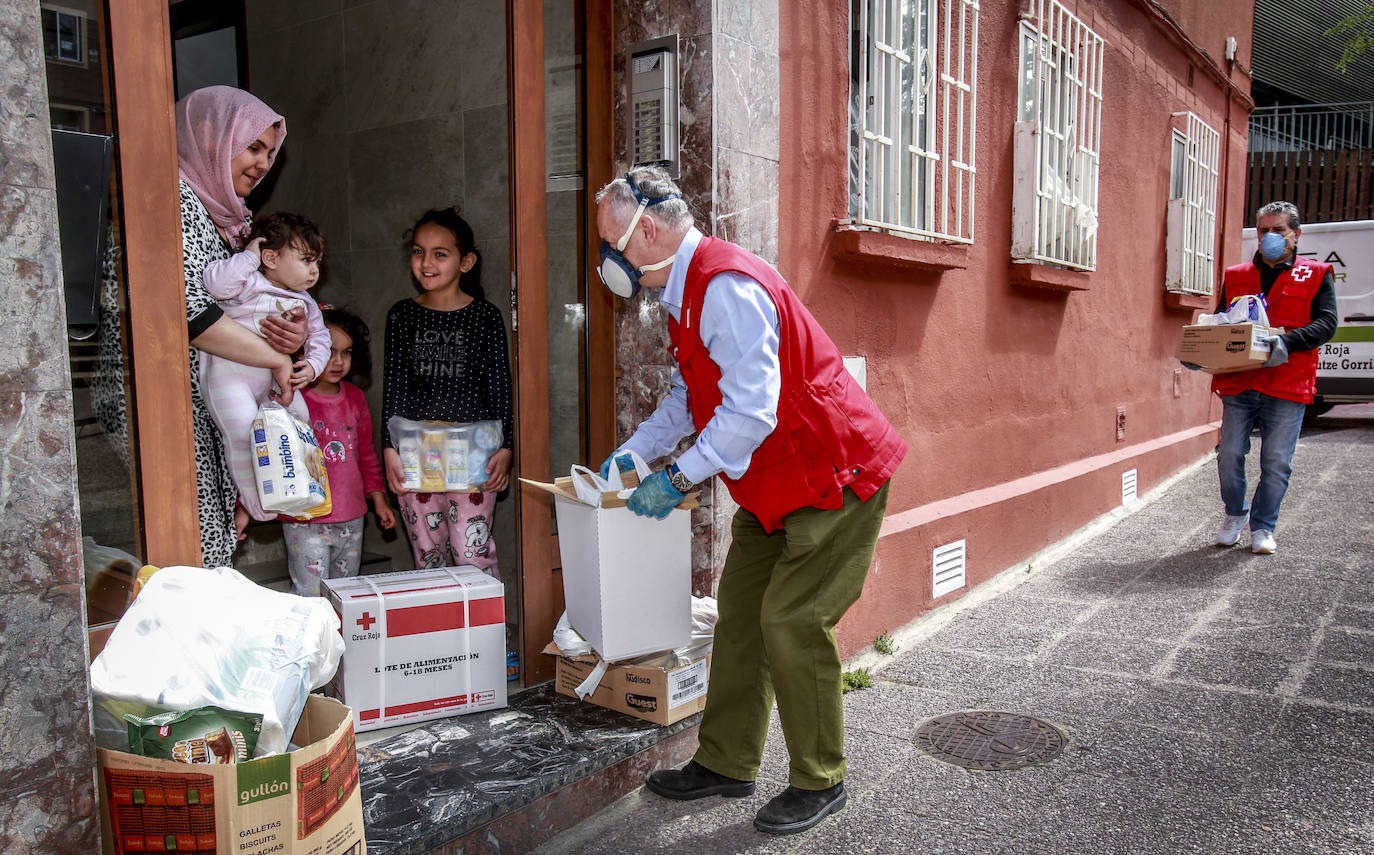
627, 579
420, 644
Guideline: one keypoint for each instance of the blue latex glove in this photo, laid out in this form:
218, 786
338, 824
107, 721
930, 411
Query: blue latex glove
625, 463
656, 496
1192, 366
1278, 353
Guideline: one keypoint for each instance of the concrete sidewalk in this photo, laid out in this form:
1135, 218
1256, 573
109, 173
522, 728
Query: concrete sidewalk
1215, 701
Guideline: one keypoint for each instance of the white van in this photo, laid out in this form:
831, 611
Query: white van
1345, 370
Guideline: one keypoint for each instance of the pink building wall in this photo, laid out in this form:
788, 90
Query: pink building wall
1008, 393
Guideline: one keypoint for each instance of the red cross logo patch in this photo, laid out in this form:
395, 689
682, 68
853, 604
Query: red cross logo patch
1302, 274
366, 621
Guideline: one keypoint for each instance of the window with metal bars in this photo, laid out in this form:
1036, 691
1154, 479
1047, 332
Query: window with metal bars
1195, 153
1057, 139
913, 98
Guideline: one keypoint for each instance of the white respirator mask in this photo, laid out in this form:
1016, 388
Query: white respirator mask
616, 272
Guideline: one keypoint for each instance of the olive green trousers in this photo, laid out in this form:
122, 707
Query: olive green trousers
780, 596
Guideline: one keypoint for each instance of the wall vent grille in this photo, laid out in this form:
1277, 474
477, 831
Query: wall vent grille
949, 566
1128, 486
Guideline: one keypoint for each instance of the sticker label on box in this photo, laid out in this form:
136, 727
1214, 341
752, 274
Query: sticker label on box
265, 778
686, 684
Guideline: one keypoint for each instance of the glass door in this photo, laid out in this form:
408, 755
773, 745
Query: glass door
94, 284
560, 93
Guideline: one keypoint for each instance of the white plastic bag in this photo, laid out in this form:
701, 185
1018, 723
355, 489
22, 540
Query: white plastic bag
196, 637
591, 487
569, 643
439, 457
1245, 309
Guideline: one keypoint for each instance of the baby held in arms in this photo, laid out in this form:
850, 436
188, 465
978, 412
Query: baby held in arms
271, 276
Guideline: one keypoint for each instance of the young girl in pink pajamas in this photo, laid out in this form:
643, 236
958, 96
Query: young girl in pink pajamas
268, 279
330, 547
446, 360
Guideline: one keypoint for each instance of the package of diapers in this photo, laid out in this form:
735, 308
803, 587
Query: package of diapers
288, 465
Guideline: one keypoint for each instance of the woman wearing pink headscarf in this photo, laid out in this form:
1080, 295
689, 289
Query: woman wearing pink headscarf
227, 140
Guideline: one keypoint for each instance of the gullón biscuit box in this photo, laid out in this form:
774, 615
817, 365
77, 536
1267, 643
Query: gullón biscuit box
420, 644
306, 802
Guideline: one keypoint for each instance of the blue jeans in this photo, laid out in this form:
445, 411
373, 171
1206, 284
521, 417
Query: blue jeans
1279, 422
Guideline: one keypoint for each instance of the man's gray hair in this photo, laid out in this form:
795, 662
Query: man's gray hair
654, 182
1286, 209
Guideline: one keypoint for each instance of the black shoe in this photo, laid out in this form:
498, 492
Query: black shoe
795, 810
694, 781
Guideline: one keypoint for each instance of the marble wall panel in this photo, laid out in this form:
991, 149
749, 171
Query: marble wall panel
299, 71
47, 796
766, 175
24, 131
480, 52
396, 172
486, 171
336, 275
746, 202
31, 308
267, 15
380, 277
311, 179
747, 98
697, 158
47, 792
425, 76
752, 21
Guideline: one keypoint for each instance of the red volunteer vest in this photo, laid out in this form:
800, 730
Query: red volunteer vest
829, 434
1290, 307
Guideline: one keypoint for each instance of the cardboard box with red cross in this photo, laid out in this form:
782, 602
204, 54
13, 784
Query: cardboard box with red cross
420, 644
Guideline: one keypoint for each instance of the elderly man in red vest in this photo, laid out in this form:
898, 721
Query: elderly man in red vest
806, 455
1300, 296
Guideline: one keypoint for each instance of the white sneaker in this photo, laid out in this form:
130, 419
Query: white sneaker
1262, 542
1230, 530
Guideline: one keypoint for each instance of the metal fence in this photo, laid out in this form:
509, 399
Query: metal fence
1312, 127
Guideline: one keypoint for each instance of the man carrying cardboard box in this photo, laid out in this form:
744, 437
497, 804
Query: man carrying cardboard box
805, 453
1274, 396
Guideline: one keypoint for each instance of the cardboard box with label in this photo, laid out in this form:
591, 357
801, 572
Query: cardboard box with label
1225, 348
652, 693
306, 801
627, 579
420, 644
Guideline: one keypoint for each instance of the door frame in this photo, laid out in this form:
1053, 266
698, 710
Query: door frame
141, 69
140, 54
541, 579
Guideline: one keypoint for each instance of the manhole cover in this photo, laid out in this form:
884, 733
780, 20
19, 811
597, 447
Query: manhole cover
988, 740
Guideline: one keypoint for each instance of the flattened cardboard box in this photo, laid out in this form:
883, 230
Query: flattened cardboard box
643, 691
627, 579
420, 644
306, 802
1225, 348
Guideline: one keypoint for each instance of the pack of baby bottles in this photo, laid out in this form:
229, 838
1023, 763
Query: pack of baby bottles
443, 457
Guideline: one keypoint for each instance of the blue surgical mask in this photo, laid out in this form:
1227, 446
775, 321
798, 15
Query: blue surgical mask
1272, 246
